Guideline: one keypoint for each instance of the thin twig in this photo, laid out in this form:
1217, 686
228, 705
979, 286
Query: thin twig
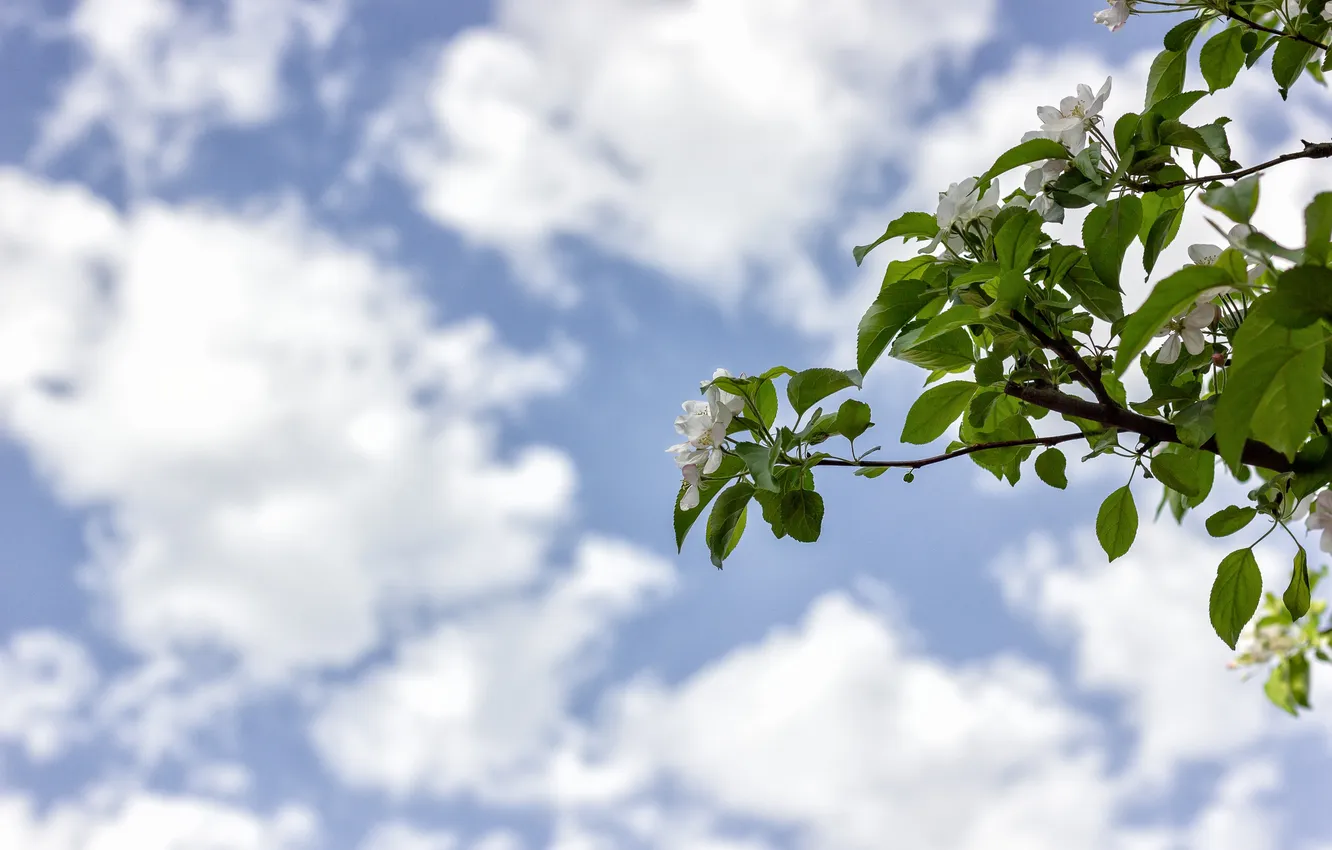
966, 450
1069, 355
1235, 16
1312, 150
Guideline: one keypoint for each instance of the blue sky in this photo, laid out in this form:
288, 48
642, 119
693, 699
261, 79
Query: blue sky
339, 346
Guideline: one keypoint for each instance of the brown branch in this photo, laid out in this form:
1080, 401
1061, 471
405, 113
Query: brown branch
966, 450
1069, 355
1312, 150
1155, 430
1236, 16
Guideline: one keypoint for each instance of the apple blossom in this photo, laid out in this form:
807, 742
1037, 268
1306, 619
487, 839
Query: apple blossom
1186, 328
1114, 17
1320, 518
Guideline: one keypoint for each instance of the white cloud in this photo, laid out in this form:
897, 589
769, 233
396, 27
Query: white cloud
841, 730
1139, 629
112, 819
158, 74
402, 836
288, 446
481, 702
45, 679
708, 140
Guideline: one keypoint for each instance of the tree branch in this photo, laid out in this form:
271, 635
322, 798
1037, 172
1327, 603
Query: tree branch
966, 450
1312, 150
1069, 355
1236, 16
1156, 430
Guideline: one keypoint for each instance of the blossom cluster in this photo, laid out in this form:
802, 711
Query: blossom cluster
703, 425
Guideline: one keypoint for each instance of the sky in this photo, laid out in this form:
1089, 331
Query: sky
340, 342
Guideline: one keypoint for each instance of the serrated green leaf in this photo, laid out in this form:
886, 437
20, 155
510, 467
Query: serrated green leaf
1051, 467
1274, 386
895, 307
1222, 57
1016, 241
802, 515
1106, 234
1229, 520
1318, 226
1176, 472
1297, 595
1033, 150
726, 523
935, 410
1288, 61
1237, 201
759, 461
951, 351
1235, 594
1166, 76
853, 418
771, 503
709, 487
811, 386
1117, 522
918, 225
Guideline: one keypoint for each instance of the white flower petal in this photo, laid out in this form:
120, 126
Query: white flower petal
1193, 340
1169, 352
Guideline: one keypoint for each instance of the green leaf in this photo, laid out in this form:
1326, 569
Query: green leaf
1298, 672
811, 386
1229, 520
1107, 233
871, 471
1235, 594
1181, 35
1274, 387
916, 225
853, 418
1125, 128
1117, 522
726, 523
1318, 226
1195, 424
1288, 61
776, 372
1177, 104
771, 503
935, 410
1162, 233
1166, 77
950, 351
1303, 295
1277, 688
759, 461
708, 489
1296, 597
802, 515
1176, 472
1167, 299
1050, 468
1222, 57
1103, 302
767, 403
1016, 240
895, 307
1237, 201
1033, 150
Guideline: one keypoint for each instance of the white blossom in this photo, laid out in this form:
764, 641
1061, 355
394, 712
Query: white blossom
959, 207
1320, 518
704, 425
1186, 329
692, 493
1116, 15
1069, 122
1037, 179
